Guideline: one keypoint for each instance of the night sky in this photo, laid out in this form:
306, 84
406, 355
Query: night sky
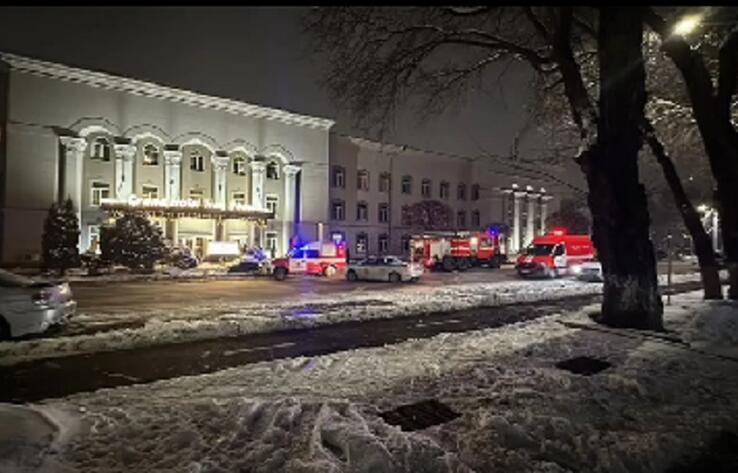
254, 54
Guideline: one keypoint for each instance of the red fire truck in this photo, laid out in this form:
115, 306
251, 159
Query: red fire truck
457, 249
317, 258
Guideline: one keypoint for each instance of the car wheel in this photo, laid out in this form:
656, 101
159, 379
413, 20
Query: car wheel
464, 264
280, 273
4, 329
394, 278
448, 263
352, 276
329, 271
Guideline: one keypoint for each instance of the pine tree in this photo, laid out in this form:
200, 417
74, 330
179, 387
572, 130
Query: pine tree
60, 238
133, 242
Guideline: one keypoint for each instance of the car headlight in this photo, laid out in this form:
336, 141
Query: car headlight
576, 269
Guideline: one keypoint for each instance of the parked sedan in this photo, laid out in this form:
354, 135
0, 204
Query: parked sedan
387, 268
590, 270
28, 306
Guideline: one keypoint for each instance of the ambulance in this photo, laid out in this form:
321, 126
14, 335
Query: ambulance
316, 258
555, 254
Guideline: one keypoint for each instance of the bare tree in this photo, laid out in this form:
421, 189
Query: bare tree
380, 58
711, 82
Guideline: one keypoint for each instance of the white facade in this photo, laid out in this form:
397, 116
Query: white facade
368, 215
89, 136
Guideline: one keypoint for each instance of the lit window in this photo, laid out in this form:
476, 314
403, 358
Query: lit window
383, 243
461, 219
383, 213
93, 238
362, 180
461, 192
407, 185
101, 149
475, 218
99, 191
150, 155
475, 192
361, 243
150, 192
238, 198
444, 190
425, 188
338, 211
384, 182
197, 194
339, 177
197, 161
239, 166
362, 211
272, 170
272, 203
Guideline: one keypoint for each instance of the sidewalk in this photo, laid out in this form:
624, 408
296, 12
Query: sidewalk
662, 401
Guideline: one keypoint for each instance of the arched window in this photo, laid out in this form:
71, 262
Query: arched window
101, 149
362, 180
475, 192
272, 170
443, 191
425, 188
461, 192
150, 155
239, 165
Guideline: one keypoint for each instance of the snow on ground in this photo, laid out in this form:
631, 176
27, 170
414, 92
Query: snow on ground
223, 320
660, 400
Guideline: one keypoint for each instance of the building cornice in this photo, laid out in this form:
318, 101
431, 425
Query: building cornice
152, 90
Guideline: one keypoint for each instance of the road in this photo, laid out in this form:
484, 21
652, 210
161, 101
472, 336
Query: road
58, 377
148, 295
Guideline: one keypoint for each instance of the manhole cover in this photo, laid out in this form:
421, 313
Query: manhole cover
583, 365
420, 415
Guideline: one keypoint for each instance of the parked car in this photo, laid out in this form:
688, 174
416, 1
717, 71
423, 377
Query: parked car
254, 261
590, 270
28, 306
387, 268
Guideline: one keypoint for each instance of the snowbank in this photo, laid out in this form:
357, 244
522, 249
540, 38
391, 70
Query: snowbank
228, 320
658, 401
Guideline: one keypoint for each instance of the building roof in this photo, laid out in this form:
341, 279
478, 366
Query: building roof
152, 90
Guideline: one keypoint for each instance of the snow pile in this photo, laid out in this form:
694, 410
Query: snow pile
227, 320
659, 400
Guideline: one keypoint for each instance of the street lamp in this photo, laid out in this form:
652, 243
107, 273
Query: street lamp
687, 25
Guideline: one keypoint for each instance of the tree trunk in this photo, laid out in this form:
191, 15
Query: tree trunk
616, 198
700, 240
728, 211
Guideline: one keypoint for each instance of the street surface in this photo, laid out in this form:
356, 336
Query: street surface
148, 295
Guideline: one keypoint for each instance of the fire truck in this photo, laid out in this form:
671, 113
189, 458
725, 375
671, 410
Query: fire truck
458, 249
316, 258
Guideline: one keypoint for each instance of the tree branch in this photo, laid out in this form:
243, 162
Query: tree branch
727, 73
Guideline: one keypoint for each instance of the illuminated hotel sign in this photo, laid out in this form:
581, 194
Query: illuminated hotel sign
186, 208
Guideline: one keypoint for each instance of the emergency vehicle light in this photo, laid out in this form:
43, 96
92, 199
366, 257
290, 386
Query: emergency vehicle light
558, 231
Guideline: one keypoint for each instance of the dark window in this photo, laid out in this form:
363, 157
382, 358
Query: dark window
384, 182
461, 219
461, 192
150, 155
339, 177
239, 166
362, 180
383, 213
444, 190
101, 149
361, 243
338, 210
383, 243
407, 185
362, 211
425, 188
475, 192
475, 218
197, 161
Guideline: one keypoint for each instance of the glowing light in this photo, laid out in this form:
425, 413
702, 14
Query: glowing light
687, 25
576, 269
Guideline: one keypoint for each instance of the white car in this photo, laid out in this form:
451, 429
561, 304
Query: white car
590, 270
28, 306
387, 268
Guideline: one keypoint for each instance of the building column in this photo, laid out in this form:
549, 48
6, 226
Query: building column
544, 211
516, 220
530, 231
172, 165
288, 212
124, 155
258, 172
74, 149
220, 168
